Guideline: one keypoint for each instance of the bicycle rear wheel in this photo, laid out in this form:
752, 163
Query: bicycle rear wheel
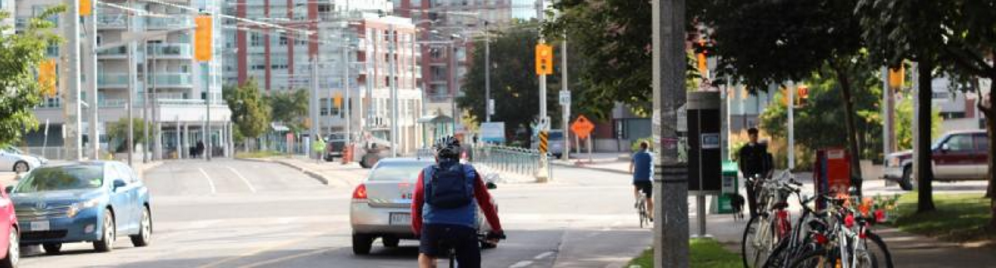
758, 242
641, 209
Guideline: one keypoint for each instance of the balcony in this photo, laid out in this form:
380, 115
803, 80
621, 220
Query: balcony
171, 80
168, 50
120, 52
112, 80
168, 23
112, 21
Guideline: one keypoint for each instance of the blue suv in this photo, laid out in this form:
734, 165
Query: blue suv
82, 202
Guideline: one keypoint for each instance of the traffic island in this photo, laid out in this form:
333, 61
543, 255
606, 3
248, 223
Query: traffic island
705, 252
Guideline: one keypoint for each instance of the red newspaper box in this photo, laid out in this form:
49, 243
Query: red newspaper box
832, 172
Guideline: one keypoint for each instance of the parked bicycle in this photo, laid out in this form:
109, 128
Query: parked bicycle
849, 241
771, 224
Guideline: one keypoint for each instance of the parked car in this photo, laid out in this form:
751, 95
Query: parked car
8, 225
14, 160
334, 144
956, 156
381, 205
82, 202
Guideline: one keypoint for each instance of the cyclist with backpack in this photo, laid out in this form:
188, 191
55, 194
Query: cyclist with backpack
444, 209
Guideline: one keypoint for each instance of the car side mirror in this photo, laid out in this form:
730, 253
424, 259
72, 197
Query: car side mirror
8, 189
119, 183
491, 186
945, 148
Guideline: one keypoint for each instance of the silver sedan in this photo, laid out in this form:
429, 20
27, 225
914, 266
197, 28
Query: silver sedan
381, 205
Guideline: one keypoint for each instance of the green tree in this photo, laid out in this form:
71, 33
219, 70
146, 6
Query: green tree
290, 108
514, 82
760, 43
904, 122
117, 132
249, 110
20, 55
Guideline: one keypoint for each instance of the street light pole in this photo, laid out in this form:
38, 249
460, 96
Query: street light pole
91, 82
394, 89
348, 102
671, 175
487, 73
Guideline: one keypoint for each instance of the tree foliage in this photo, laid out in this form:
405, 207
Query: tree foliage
250, 113
20, 55
290, 108
117, 132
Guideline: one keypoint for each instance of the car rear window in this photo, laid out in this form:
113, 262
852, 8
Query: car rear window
398, 171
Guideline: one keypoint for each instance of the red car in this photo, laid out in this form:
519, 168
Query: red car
8, 225
957, 156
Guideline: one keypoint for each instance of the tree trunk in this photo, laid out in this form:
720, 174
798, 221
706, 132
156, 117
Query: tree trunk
924, 171
987, 110
852, 136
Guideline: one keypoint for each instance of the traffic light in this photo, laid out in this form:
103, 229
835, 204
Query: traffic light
802, 95
202, 38
86, 9
703, 63
897, 77
544, 59
47, 78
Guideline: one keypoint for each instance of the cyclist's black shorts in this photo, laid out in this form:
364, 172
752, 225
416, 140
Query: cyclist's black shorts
646, 187
438, 239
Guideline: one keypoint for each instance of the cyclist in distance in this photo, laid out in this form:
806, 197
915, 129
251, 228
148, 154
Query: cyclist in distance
642, 168
444, 209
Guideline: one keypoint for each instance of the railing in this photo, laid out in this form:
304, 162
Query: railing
50, 152
174, 79
112, 21
508, 159
120, 51
170, 50
112, 79
168, 23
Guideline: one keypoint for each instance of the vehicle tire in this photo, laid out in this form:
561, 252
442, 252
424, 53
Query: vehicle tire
390, 242
21, 167
144, 236
52, 248
108, 234
362, 244
13, 250
906, 182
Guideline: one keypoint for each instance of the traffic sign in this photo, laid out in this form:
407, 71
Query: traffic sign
565, 98
582, 127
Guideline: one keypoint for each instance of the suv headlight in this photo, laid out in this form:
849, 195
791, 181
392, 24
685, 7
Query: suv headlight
77, 207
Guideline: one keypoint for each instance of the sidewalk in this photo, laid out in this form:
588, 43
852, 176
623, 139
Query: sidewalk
333, 174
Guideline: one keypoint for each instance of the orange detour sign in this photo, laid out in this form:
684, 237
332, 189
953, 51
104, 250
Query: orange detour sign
582, 127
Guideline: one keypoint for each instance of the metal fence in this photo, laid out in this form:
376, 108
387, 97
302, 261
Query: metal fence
509, 159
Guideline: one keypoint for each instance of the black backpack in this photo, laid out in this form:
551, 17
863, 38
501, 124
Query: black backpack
449, 187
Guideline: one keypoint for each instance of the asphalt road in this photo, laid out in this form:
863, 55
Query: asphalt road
230, 213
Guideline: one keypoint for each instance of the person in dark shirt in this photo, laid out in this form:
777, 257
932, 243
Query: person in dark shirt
642, 168
756, 164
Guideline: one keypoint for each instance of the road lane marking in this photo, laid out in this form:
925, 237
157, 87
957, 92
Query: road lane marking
521, 264
271, 247
287, 258
543, 255
210, 182
237, 174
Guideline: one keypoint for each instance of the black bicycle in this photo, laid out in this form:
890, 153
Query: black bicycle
451, 253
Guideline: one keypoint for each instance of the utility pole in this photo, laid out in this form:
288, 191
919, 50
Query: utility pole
90, 69
72, 107
671, 178
345, 85
791, 125
394, 89
453, 85
145, 103
132, 75
207, 123
566, 108
487, 73
313, 133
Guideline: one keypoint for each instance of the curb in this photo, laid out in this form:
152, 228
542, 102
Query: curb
312, 174
593, 168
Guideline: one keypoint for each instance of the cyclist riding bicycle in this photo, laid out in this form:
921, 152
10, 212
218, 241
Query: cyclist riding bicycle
755, 163
444, 209
642, 168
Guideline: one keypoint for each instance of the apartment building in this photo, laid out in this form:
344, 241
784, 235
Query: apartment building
160, 72
350, 48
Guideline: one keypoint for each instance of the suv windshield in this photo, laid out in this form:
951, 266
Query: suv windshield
61, 179
398, 171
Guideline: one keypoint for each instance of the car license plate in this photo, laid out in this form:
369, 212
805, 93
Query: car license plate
401, 218
39, 226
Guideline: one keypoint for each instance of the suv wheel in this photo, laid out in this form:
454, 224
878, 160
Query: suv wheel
391, 242
144, 235
362, 244
106, 242
907, 183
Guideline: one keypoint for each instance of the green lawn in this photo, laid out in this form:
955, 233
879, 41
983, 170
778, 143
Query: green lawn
705, 253
258, 154
958, 218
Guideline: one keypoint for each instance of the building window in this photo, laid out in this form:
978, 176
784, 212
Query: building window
283, 40
255, 40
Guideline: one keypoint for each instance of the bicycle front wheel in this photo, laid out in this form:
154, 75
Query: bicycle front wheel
758, 242
875, 253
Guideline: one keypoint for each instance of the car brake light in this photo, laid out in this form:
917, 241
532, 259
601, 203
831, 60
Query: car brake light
360, 192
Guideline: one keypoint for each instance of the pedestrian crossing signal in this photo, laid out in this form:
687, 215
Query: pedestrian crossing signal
544, 59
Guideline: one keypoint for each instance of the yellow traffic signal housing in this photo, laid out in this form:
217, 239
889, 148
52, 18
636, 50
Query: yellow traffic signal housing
86, 8
202, 38
897, 77
544, 59
47, 78
802, 95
